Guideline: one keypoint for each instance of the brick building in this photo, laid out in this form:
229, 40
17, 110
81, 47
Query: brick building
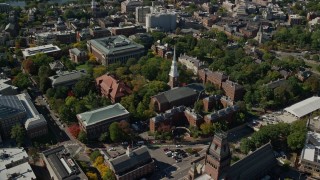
97, 121
214, 77
233, 90
226, 114
127, 30
217, 163
134, 164
192, 63
163, 51
176, 117
112, 88
77, 55
186, 95
98, 32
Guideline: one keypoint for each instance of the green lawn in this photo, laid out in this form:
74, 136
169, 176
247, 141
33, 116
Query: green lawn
83, 66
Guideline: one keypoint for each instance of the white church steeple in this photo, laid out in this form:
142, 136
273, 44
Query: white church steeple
173, 74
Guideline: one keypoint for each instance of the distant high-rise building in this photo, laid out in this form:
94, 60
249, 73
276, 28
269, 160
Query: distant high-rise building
141, 13
163, 20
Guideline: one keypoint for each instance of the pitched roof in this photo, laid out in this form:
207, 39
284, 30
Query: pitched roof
179, 93
75, 51
66, 76
304, 107
10, 105
251, 166
115, 87
102, 114
124, 163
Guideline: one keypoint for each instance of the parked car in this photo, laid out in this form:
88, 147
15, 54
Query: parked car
112, 149
165, 149
178, 160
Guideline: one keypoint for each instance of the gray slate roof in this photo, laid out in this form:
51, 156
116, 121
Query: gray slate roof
65, 77
179, 93
261, 160
123, 164
10, 105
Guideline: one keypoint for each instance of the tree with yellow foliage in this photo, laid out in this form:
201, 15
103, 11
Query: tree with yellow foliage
99, 164
92, 175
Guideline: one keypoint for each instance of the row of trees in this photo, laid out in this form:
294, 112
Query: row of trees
98, 162
281, 135
297, 37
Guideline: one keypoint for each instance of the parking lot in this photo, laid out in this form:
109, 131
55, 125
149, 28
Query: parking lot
272, 118
173, 162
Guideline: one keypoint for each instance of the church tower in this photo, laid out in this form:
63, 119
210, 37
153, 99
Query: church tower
218, 156
259, 35
173, 74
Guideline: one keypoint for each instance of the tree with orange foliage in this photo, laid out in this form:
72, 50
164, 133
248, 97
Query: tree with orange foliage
74, 129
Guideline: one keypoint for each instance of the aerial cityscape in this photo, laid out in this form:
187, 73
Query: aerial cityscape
159, 89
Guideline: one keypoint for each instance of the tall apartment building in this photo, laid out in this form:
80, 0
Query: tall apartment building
163, 20
141, 13
4, 7
114, 49
129, 6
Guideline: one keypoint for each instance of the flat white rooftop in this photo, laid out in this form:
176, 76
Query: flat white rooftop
304, 107
19, 171
40, 49
310, 151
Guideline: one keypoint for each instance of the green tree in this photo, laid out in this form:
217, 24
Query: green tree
66, 114
296, 140
22, 81
93, 156
45, 83
82, 137
18, 133
207, 128
115, 131
198, 107
246, 145
83, 86
103, 137
109, 175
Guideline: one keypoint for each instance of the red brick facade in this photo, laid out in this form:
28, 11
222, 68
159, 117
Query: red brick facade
233, 90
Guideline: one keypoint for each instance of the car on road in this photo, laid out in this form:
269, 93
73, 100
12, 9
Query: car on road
178, 145
112, 149
178, 160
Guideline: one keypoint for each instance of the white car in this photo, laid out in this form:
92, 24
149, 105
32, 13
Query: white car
112, 149
178, 146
